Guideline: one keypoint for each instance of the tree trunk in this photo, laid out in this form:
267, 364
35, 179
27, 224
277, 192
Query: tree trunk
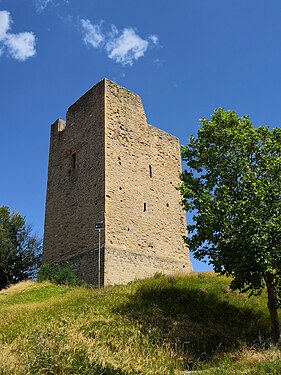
272, 307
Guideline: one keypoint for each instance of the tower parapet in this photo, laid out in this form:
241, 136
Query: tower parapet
107, 164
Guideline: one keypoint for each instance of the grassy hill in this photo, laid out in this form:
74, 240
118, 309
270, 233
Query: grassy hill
163, 325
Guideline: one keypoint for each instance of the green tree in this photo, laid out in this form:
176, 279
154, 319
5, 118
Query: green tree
20, 251
232, 185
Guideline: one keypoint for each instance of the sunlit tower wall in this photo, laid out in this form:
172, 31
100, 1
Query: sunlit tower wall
107, 164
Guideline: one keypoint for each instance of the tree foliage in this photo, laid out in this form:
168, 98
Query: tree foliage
20, 251
232, 184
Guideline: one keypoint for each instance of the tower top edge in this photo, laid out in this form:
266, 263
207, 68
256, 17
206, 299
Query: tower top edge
103, 83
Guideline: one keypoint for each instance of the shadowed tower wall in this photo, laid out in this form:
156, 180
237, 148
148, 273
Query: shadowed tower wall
106, 163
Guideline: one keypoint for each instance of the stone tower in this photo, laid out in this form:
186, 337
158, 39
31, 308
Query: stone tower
107, 164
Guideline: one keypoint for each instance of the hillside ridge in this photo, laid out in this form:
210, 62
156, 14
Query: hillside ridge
161, 325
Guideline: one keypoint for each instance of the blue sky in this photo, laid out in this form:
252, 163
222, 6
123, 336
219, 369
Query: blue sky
183, 57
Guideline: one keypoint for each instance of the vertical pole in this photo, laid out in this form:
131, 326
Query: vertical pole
99, 227
99, 283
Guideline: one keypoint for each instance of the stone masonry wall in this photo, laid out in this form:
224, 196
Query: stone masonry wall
75, 193
144, 220
106, 163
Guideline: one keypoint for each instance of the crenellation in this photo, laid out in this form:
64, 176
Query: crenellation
109, 165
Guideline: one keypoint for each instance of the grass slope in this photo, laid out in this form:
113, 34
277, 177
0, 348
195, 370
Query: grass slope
163, 325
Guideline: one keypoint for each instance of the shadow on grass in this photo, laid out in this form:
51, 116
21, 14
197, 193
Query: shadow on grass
196, 322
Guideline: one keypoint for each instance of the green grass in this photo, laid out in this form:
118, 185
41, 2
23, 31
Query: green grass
163, 325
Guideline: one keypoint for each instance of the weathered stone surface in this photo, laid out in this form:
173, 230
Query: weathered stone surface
106, 163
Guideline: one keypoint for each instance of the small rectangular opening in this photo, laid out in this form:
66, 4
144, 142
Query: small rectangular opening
150, 170
144, 207
73, 161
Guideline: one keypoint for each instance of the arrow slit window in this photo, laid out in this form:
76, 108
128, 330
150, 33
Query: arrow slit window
150, 170
73, 161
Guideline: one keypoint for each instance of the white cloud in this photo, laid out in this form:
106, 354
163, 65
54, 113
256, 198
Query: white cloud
20, 46
127, 47
41, 5
153, 38
124, 47
93, 36
5, 21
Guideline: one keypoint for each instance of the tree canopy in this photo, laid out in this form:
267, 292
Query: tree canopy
20, 251
232, 185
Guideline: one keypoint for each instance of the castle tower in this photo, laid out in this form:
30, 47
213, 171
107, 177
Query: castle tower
107, 164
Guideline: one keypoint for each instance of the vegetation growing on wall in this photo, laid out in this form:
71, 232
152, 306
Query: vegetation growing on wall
59, 273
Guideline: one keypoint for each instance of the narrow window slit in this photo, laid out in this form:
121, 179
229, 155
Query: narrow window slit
73, 161
150, 170
144, 207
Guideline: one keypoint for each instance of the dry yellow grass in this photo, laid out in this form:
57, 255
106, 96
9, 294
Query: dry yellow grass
18, 288
254, 355
159, 326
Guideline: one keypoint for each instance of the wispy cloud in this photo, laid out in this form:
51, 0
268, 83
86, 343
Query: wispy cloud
41, 5
157, 62
93, 36
4, 24
20, 46
124, 47
153, 38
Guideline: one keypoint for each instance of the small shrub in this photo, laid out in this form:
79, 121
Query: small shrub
60, 274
